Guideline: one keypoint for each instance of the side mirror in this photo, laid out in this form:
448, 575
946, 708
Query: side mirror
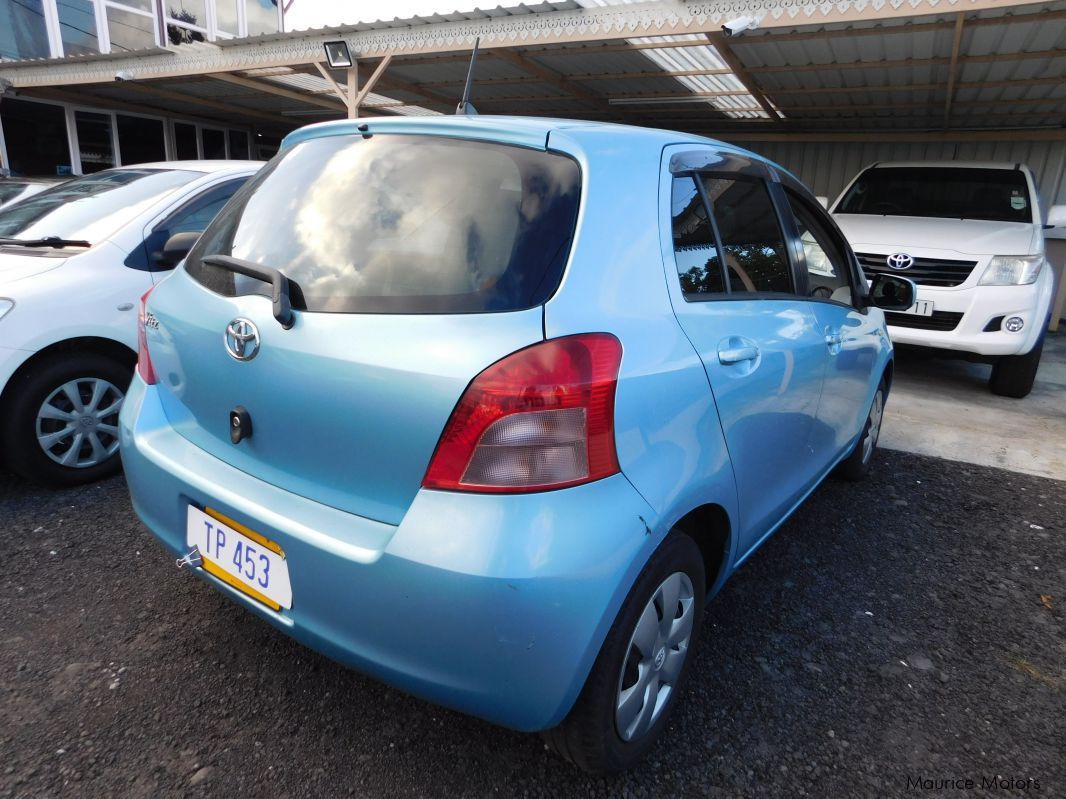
892, 293
823, 201
177, 247
1056, 216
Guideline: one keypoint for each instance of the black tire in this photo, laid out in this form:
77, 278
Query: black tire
27, 394
589, 736
857, 465
1014, 375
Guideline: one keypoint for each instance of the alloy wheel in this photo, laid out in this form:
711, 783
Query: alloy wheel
77, 424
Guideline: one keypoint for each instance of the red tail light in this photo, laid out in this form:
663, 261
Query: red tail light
144, 360
539, 419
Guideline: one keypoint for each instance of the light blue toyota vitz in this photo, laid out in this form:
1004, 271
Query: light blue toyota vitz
488, 408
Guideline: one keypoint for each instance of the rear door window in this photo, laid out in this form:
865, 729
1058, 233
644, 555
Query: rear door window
401, 224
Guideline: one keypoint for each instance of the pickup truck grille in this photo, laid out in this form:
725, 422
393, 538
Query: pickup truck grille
925, 272
940, 320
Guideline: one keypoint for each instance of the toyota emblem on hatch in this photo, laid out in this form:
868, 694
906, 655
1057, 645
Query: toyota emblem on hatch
242, 339
900, 260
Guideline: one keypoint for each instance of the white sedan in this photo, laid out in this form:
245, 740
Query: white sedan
74, 262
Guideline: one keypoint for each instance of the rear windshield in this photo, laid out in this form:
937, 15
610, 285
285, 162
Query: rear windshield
1000, 195
92, 207
401, 224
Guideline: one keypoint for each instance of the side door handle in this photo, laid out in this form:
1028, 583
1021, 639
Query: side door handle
834, 339
730, 355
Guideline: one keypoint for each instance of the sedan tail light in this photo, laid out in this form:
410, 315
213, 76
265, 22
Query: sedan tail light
144, 360
541, 418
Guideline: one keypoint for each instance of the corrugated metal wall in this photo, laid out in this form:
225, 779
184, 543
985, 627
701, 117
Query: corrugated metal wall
827, 166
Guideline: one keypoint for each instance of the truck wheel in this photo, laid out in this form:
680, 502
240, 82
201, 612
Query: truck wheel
641, 668
1014, 375
61, 425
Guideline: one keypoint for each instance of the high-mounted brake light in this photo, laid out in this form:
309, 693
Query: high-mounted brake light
144, 360
541, 418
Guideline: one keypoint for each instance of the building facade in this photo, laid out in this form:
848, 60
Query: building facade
39, 136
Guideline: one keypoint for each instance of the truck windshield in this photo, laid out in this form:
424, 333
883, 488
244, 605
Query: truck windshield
1000, 195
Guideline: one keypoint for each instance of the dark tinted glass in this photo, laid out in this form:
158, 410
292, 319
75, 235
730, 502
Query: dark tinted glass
94, 141
185, 142
214, 143
91, 207
140, 140
9, 191
36, 138
695, 253
1000, 195
751, 237
401, 224
238, 144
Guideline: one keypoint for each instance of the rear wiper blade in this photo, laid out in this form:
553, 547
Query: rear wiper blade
268, 274
47, 241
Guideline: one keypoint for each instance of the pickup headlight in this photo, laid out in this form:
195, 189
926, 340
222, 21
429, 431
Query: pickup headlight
5, 306
1012, 270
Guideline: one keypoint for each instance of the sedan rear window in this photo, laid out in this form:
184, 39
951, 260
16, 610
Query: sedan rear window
1000, 195
401, 224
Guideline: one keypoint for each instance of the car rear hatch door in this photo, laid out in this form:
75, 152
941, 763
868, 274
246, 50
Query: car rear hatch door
345, 409
414, 262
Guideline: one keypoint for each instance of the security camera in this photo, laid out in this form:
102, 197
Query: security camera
737, 26
123, 74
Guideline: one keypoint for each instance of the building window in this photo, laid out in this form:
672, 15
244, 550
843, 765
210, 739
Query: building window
140, 140
238, 144
227, 17
95, 145
22, 30
129, 29
185, 142
214, 143
262, 16
36, 138
77, 27
186, 21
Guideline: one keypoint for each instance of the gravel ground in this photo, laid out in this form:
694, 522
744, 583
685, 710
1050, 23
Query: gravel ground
891, 631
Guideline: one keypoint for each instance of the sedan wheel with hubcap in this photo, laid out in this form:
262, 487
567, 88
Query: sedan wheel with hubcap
656, 654
640, 671
59, 419
77, 425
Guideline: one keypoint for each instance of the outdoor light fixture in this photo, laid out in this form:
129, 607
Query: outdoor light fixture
337, 55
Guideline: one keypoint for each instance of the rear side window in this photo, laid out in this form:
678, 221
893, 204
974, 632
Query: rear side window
401, 224
751, 237
743, 229
695, 251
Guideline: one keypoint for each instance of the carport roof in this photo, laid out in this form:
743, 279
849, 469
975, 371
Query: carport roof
847, 68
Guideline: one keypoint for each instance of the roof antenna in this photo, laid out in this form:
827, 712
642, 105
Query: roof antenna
465, 108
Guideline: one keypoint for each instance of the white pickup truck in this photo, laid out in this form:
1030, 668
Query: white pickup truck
971, 236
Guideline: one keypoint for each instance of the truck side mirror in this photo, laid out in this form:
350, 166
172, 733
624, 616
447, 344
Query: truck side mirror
892, 293
1056, 216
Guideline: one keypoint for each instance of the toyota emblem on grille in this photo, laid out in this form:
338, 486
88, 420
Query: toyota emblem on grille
900, 260
242, 339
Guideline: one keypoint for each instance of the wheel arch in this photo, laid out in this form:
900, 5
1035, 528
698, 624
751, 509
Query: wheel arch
83, 344
710, 527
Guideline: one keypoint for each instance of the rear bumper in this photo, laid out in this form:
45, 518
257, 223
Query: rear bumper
495, 606
979, 306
